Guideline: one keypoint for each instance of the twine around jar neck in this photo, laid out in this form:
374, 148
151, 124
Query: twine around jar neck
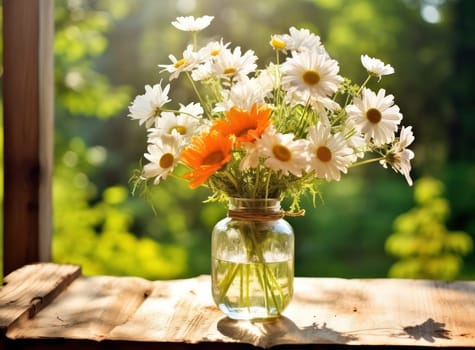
261, 214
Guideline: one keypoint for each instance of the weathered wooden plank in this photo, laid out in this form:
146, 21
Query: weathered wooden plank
334, 311
33, 287
324, 311
90, 309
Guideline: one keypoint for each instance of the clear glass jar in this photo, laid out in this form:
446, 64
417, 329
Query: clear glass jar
252, 268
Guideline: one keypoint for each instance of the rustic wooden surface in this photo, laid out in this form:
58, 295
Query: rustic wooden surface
110, 310
29, 289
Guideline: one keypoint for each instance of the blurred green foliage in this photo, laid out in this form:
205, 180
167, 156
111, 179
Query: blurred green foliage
107, 50
426, 248
98, 235
92, 219
80, 37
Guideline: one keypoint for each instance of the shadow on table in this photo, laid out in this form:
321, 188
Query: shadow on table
428, 330
280, 331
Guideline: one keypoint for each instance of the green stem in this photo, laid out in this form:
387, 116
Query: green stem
179, 112
262, 284
228, 280
267, 279
241, 286
195, 41
195, 89
257, 180
363, 85
269, 174
277, 57
255, 267
301, 126
232, 179
278, 288
367, 161
248, 302
266, 286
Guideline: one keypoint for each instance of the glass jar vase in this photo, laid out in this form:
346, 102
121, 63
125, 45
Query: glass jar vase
252, 268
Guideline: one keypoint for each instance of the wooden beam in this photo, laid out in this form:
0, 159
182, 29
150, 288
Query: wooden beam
28, 129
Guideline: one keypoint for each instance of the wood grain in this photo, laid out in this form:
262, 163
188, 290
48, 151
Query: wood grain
28, 290
28, 131
324, 311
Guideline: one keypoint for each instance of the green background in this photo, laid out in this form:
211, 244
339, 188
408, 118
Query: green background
106, 51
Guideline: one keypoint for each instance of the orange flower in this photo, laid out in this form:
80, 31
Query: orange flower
246, 126
206, 155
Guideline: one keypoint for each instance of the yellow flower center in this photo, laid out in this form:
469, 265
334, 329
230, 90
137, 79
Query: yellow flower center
213, 158
373, 115
180, 63
166, 160
277, 43
282, 153
180, 128
230, 70
215, 52
311, 77
324, 154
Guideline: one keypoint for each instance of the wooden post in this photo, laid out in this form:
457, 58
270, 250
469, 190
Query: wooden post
28, 129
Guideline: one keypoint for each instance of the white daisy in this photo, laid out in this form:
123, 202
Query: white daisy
190, 24
145, 107
251, 158
202, 72
213, 48
163, 155
376, 67
399, 157
190, 61
320, 104
298, 40
230, 64
283, 153
270, 77
310, 74
329, 153
354, 139
168, 123
192, 109
244, 94
323, 104
277, 42
207, 55
376, 116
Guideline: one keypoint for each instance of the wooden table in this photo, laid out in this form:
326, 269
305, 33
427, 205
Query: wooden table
51, 306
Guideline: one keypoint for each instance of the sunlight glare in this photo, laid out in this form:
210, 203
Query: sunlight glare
430, 13
96, 155
186, 6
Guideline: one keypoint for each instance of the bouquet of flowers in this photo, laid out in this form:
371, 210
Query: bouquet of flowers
270, 132
264, 133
